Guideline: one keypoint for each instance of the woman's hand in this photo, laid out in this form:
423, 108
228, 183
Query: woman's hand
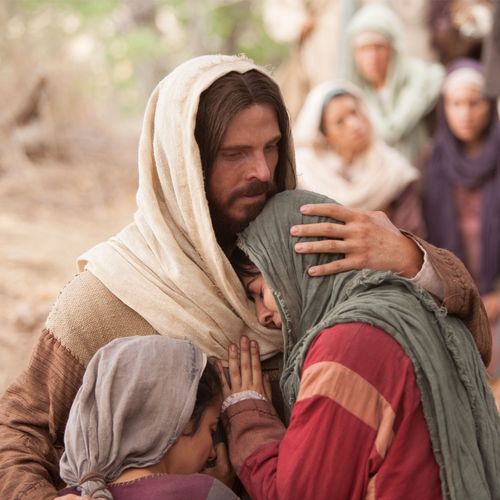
367, 239
245, 372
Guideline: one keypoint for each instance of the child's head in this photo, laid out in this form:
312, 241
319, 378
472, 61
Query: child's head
140, 399
195, 446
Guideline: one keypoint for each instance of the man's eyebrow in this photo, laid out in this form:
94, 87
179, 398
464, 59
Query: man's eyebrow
275, 139
234, 146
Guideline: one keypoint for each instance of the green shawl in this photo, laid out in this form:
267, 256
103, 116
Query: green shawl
462, 420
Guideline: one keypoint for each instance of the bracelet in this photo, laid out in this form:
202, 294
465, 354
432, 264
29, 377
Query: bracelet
240, 396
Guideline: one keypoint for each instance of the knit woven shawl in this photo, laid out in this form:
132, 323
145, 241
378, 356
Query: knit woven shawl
412, 86
462, 420
167, 265
137, 395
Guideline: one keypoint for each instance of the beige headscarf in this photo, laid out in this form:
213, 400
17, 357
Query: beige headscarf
167, 265
374, 179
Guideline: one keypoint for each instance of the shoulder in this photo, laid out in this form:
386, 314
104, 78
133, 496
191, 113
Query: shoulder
353, 340
86, 316
359, 353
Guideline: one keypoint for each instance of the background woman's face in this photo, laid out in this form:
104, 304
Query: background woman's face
467, 113
346, 127
372, 61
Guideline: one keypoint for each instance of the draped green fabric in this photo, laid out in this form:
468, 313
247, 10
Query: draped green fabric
461, 416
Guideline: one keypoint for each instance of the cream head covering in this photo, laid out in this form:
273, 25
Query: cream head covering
137, 396
376, 20
463, 77
372, 181
167, 265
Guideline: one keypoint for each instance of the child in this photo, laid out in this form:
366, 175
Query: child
142, 423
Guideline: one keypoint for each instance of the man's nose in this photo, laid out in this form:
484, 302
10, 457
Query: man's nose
260, 168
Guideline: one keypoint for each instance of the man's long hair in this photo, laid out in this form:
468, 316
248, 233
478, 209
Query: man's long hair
229, 95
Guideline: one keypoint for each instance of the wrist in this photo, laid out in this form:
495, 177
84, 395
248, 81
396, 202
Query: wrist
236, 397
412, 258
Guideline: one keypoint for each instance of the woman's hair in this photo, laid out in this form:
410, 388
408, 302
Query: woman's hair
226, 97
242, 264
328, 99
209, 389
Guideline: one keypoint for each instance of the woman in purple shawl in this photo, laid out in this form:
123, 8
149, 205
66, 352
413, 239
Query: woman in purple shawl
462, 185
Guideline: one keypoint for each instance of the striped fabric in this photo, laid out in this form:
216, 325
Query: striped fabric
357, 429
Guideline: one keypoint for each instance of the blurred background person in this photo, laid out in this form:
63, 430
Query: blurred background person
313, 29
459, 27
399, 91
491, 56
462, 185
339, 155
315, 32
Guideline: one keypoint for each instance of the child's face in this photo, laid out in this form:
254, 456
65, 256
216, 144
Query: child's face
190, 454
265, 305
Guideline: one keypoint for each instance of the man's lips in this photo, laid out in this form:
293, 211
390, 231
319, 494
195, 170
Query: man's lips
254, 196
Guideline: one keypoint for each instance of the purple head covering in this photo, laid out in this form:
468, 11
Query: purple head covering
448, 167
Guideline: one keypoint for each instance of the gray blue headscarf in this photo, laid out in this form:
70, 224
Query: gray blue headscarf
461, 416
137, 395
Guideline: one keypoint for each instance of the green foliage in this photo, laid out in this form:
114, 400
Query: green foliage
125, 53
86, 8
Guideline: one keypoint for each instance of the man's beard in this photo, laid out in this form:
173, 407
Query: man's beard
225, 227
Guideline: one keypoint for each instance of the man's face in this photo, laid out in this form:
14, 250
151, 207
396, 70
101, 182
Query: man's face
241, 177
372, 61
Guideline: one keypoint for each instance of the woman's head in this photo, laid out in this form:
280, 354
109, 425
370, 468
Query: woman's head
257, 290
285, 295
467, 110
334, 116
345, 125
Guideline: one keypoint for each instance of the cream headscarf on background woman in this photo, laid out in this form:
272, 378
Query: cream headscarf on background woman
167, 265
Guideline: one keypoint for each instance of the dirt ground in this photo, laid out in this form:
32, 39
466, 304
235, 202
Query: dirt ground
52, 211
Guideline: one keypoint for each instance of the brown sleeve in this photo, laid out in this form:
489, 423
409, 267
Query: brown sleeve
33, 415
461, 296
250, 424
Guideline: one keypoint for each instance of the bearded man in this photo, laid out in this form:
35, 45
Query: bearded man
215, 145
